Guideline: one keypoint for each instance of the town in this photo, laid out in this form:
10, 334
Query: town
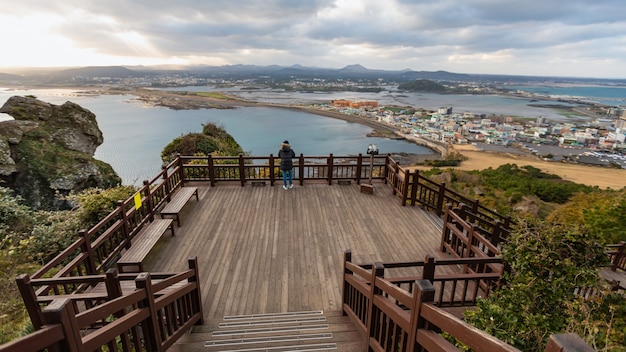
597, 141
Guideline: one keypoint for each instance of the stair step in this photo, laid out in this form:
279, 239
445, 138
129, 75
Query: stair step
299, 348
280, 332
273, 339
270, 330
271, 321
274, 315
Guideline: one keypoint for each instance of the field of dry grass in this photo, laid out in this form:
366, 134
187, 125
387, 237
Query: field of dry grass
584, 174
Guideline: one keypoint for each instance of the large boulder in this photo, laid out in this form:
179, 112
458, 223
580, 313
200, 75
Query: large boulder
47, 151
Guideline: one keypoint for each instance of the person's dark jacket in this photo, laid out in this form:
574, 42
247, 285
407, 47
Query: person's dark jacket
286, 154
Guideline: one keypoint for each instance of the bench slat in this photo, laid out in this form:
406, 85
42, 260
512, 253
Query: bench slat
144, 242
178, 201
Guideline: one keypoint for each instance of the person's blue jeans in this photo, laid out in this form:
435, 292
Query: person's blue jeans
287, 173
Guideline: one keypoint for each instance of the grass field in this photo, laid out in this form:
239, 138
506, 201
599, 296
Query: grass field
583, 174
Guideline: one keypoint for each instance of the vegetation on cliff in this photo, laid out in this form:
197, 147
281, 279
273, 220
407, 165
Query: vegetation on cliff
29, 238
553, 287
554, 250
423, 85
213, 140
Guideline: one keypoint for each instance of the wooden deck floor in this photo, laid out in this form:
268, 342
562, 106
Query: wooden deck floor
267, 250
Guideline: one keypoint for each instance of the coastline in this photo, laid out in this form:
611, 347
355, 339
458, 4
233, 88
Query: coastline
477, 160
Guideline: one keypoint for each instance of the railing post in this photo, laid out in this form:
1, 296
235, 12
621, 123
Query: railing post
425, 293
166, 180
405, 187
621, 251
429, 268
470, 240
242, 171
272, 170
197, 295
415, 176
396, 171
61, 311
86, 248
301, 169
359, 168
445, 230
125, 227
112, 283
441, 198
151, 329
148, 195
30, 301
495, 235
475, 206
211, 167
567, 343
181, 169
114, 290
387, 171
329, 171
347, 258
378, 271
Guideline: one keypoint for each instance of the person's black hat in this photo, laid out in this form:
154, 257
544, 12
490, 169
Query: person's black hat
286, 142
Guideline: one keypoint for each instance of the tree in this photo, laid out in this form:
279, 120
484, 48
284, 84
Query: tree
550, 265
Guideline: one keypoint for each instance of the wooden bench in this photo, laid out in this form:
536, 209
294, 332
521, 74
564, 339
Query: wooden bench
132, 259
178, 201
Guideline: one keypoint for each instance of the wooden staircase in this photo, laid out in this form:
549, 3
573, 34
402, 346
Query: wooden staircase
279, 332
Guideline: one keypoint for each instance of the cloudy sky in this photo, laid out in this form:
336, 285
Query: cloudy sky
532, 37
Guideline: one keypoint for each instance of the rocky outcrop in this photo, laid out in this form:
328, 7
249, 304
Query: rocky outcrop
47, 151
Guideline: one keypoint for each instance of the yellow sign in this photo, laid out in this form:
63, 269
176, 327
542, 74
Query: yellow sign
138, 201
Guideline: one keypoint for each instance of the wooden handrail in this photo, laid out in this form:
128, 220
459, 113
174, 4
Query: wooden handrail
617, 255
411, 321
141, 317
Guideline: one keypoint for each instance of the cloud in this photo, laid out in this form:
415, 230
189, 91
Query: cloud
473, 36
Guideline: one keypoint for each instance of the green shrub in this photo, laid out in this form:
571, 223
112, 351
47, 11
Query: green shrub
549, 263
94, 204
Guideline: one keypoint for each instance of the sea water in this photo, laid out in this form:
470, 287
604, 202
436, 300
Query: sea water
136, 133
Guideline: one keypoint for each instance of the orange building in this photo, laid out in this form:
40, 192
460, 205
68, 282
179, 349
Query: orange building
342, 103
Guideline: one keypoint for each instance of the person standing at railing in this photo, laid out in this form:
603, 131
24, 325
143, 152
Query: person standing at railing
286, 155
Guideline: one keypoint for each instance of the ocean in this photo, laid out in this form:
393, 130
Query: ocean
606, 95
135, 133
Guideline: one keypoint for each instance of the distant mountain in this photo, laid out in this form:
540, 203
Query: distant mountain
277, 74
101, 71
355, 69
10, 78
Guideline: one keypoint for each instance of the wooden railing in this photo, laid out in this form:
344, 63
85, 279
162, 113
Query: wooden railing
406, 320
413, 188
617, 256
459, 282
158, 310
395, 319
98, 248
466, 235
246, 169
